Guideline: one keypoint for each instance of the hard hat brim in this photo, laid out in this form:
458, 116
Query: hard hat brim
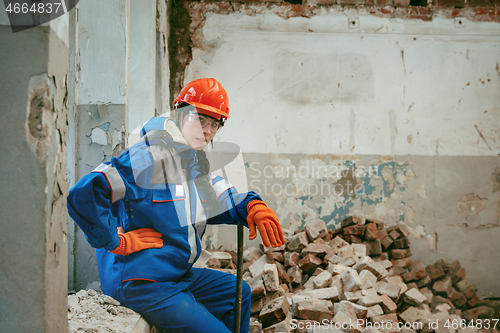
209, 110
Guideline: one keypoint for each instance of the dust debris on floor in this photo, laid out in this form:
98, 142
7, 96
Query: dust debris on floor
90, 311
357, 278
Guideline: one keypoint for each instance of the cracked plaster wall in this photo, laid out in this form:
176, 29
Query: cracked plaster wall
101, 55
33, 274
121, 76
396, 120
101, 133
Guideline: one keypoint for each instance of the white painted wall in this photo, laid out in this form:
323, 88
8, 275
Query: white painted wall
417, 102
162, 69
102, 63
390, 87
101, 48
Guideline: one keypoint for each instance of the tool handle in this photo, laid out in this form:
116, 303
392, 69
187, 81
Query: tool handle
239, 281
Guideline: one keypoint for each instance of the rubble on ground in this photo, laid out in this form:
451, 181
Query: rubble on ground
357, 278
93, 312
354, 279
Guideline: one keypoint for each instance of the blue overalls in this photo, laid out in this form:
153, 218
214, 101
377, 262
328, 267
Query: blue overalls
151, 185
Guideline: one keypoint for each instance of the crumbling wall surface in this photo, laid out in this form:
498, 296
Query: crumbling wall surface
142, 57
122, 80
179, 44
101, 97
386, 111
33, 279
473, 10
101, 135
56, 261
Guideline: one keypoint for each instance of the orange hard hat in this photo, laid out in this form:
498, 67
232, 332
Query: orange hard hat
206, 94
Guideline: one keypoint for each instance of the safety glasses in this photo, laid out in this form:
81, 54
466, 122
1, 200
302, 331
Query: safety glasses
201, 121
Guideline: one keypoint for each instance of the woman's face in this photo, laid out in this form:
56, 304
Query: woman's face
199, 129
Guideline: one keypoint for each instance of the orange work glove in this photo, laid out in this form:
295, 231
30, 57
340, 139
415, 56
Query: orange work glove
267, 223
137, 240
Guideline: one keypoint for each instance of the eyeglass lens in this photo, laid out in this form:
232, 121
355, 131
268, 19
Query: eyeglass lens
202, 121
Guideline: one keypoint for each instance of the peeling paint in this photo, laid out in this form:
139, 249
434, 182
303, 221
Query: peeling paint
382, 210
421, 191
470, 205
330, 188
431, 240
117, 139
293, 215
207, 48
418, 231
394, 196
328, 209
487, 226
409, 215
40, 118
99, 136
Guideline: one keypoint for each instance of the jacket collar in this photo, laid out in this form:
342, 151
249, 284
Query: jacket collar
172, 129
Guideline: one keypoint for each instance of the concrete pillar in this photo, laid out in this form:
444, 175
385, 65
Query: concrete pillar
101, 97
33, 243
142, 63
71, 157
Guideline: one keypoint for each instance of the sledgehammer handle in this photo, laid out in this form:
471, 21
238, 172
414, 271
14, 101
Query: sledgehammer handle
239, 281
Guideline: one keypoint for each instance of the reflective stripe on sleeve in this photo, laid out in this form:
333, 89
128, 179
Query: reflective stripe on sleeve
114, 180
221, 187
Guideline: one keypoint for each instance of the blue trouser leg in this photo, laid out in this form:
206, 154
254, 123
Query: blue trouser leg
216, 290
206, 306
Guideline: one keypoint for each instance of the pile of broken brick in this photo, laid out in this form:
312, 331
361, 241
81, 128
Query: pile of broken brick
357, 278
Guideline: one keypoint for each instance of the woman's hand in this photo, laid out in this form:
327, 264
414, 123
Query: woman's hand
267, 223
137, 240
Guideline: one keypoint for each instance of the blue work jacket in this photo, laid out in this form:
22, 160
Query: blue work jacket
151, 185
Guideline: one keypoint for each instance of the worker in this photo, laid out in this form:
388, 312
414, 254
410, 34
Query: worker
146, 211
